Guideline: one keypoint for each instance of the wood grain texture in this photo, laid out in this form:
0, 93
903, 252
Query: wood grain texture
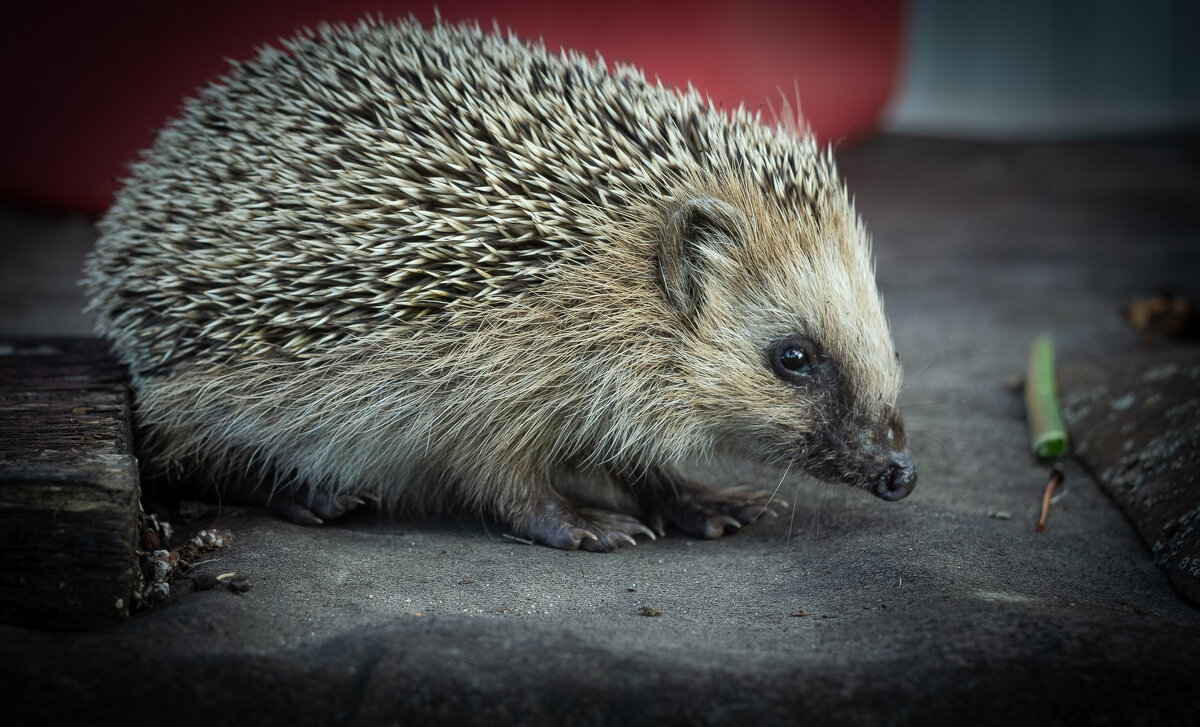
68, 485
1135, 420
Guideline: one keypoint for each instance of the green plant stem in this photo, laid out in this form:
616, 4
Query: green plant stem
1048, 434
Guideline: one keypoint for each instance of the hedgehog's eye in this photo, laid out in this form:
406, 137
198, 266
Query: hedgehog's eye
792, 360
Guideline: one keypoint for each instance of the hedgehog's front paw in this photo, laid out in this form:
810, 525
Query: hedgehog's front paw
707, 512
599, 531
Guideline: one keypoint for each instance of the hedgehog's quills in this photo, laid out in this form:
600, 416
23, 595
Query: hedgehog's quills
447, 269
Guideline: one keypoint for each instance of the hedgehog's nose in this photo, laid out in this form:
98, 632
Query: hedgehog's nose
898, 477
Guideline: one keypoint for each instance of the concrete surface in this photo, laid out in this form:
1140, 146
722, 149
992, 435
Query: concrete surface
848, 610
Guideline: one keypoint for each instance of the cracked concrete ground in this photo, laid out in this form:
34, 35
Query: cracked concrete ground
847, 610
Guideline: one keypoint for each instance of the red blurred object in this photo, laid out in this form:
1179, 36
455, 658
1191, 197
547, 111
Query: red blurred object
85, 87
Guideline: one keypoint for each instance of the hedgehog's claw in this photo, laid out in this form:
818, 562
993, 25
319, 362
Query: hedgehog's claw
294, 511
598, 531
706, 512
749, 503
312, 509
613, 530
658, 524
328, 507
618, 522
718, 525
579, 536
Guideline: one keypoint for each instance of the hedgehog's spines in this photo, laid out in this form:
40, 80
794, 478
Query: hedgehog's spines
387, 249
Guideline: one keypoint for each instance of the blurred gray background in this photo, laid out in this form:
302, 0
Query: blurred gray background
1049, 69
1021, 70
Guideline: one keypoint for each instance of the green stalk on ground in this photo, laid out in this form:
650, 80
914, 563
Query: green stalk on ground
1048, 434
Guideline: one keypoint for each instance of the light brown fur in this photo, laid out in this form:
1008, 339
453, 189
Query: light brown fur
457, 311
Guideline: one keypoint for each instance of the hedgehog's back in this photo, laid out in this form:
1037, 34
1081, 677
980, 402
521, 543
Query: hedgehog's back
385, 175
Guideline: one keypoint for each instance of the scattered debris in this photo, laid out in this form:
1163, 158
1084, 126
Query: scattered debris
166, 571
1166, 315
523, 541
238, 583
206, 540
649, 611
999, 514
204, 581
1056, 476
798, 614
155, 532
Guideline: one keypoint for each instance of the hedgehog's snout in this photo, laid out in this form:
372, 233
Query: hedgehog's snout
897, 478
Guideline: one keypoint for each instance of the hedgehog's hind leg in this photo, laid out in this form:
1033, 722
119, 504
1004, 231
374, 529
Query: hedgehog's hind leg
312, 508
549, 519
696, 508
301, 506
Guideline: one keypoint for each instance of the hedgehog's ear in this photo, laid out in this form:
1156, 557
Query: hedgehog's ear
695, 234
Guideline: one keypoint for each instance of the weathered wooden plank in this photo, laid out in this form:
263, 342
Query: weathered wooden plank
68, 485
1135, 422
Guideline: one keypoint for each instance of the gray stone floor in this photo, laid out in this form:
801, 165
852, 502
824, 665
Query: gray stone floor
847, 610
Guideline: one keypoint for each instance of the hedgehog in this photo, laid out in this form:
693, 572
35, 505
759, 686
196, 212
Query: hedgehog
448, 270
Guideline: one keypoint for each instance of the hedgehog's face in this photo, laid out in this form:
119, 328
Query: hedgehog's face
789, 357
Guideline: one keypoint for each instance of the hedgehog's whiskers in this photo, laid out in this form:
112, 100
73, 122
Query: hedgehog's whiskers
775, 492
925, 368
